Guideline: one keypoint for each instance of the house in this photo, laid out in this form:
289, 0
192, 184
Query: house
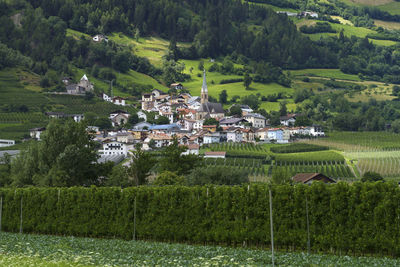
168, 115
94, 129
245, 109
100, 38
211, 128
142, 115
176, 86
198, 125
317, 130
139, 135
6, 143
119, 117
142, 126
111, 147
106, 97
289, 14
192, 149
308, 14
160, 140
188, 124
119, 101
211, 138
66, 80
256, 120
215, 154
262, 134
234, 135
229, 122
248, 135
35, 133
81, 88
288, 120
275, 135
157, 93
308, 178
148, 101
125, 137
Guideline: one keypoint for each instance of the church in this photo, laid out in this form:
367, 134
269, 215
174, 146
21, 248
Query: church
208, 109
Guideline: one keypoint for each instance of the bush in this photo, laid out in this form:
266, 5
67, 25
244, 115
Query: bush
220, 175
169, 178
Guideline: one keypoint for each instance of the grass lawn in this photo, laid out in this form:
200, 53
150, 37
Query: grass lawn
328, 73
42, 250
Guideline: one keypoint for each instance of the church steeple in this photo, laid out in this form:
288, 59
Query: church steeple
204, 90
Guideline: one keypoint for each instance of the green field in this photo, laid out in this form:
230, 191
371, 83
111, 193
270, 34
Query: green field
327, 73
41, 250
390, 6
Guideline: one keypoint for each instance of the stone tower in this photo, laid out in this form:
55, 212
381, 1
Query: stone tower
204, 90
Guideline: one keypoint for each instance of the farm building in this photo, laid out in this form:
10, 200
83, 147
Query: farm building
215, 154
308, 178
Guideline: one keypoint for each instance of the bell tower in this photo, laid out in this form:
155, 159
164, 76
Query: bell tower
204, 90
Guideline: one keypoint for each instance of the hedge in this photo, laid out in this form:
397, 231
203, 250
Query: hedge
298, 147
358, 218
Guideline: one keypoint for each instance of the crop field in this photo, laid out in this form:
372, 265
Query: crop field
42, 250
251, 166
240, 150
361, 141
321, 157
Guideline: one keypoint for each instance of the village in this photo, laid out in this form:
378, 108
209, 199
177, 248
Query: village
193, 120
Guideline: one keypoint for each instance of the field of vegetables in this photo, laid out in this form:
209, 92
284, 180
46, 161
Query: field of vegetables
43, 250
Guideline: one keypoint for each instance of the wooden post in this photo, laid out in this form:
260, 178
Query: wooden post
272, 227
1, 210
308, 228
20, 223
134, 220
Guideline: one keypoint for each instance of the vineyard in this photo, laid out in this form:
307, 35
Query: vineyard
322, 157
253, 166
23, 117
246, 150
333, 170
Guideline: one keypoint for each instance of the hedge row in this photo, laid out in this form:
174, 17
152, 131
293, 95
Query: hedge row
358, 218
298, 147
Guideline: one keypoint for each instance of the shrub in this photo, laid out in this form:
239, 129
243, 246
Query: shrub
220, 175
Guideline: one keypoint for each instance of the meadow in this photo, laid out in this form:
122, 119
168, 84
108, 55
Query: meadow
41, 250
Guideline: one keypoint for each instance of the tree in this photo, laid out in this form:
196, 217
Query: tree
133, 119
201, 65
223, 97
173, 160
281, 176
211, 121
90, 118
302, 120
371, 177
247, 81
251, 100
162, 120
66, 156
169, 178
282, 108
103, 123
236, 111
141, 164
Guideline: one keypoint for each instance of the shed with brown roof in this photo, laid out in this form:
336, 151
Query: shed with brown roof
308, 178
215, 154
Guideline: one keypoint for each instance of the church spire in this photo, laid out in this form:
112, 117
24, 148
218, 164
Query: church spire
204, 89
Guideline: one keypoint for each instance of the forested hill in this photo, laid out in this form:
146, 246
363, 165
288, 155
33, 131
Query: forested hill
215, 27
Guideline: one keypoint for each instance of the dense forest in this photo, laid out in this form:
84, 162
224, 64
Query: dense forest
215, 28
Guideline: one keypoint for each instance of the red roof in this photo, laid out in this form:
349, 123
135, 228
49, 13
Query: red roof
306, 177
215, 153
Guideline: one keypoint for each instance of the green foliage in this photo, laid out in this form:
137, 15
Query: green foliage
281, 176
297, 147
172, 159
66, 156
141, 162
316, 157
342, 217
371, 177
220, 175
169, 178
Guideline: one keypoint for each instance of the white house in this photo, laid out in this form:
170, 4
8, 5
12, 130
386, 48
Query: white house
6, 143
100, 37
257, 120
142, 115
119, 101
317, 130
211, 138
275, 134
110, 147
36, 132
188, 124
288, 120
234, 135
119, 117
192, 149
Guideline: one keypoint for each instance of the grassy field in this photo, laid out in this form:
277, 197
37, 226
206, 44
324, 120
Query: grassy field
41, 250
391, 25
348, 30
390, 6
328, 73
